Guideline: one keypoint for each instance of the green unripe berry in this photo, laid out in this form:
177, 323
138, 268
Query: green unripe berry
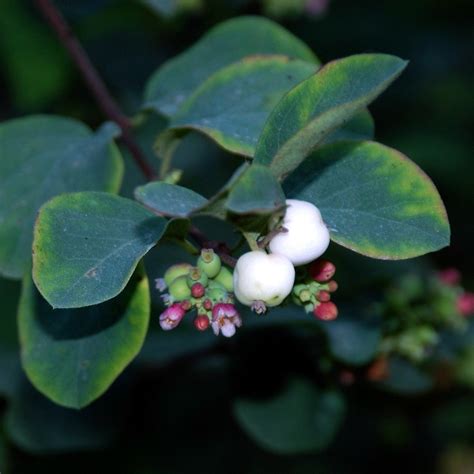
225, 278
209, 262
217, 294
176, 271
196, 275
179, 289
305, 296
297, 289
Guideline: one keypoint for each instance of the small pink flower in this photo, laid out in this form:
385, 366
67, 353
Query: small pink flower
171, 316
225, 319
450, 276
160, 284
465, 303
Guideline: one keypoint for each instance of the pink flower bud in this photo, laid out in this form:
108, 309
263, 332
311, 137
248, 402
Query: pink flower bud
207, 304
465, 303
171, 316
450, 276
326, 311
323, 296
322, 270
201, 322
332, 286
198, 290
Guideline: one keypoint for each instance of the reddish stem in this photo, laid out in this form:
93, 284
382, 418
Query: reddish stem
94, 82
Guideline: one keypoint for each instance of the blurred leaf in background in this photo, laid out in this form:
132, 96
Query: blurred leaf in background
36, 68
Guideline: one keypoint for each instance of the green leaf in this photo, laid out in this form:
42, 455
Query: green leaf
169, 199
170, 8
301, 419
353, 338
36, 67
256, 191
374, 200
320, 104
40, 157
253, 200
216, 204
360, 127
228, 42
72, 356
9, 297
406, 378
231, 107
39, 426
87, 246
248, 199
3, 452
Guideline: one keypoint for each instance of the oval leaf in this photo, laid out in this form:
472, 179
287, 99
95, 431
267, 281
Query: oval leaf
72, 356
360, 127
320, 104
354, 338
87, 245
40, 426
406, 378
41, 157
169, 199
374, 200
231, 107
300, 419
228, 42
256, 191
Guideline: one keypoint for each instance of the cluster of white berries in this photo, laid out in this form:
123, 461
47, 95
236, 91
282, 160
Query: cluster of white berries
265, 279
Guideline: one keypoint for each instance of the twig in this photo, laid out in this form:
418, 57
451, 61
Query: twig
94, 82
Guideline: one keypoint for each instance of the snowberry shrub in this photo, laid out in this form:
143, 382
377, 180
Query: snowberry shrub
310, 172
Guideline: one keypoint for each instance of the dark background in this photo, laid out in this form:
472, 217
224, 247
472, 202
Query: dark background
176, 418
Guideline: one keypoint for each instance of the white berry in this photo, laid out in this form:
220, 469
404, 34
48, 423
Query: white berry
306, 238
262, 277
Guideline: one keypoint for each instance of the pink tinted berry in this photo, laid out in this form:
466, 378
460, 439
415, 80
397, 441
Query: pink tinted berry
346, 377
326, 311
201, 322
322, 270
171, 316
323, 296
332, 286
450, 276
465, 303
378, 370
198, 290
207, 304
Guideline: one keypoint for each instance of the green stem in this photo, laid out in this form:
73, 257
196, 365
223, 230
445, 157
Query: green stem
251, 238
